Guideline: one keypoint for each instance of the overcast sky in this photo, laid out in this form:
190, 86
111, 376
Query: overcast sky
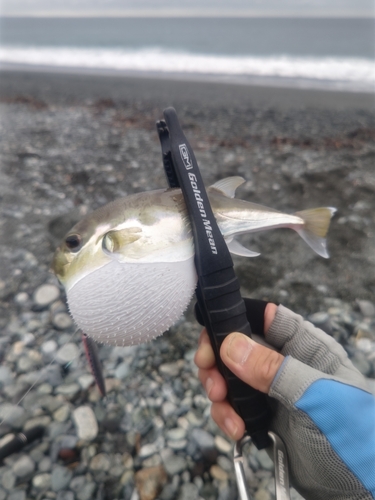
337, 8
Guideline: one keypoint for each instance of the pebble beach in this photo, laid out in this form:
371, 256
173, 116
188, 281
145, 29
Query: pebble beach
71, 142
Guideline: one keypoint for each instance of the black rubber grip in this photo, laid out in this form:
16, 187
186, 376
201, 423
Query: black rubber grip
249, 403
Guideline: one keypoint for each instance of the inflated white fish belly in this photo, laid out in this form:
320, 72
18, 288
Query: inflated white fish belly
127, 304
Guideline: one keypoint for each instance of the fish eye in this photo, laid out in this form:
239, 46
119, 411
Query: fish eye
73, 242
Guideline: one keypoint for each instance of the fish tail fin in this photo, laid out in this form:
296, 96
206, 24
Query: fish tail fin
314, 232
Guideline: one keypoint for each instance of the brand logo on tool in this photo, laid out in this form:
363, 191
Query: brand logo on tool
200, 204
281, 466
184, 152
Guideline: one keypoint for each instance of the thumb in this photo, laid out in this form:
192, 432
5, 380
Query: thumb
251, 362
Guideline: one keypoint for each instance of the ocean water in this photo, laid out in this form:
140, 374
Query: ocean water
337, 54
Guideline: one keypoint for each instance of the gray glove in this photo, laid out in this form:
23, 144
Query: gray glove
324, 413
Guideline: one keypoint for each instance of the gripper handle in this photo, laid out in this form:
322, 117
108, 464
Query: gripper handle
225, 312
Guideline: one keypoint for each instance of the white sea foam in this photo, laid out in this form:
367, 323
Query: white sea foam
333, 72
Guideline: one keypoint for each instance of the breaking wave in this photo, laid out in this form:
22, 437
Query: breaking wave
356, 74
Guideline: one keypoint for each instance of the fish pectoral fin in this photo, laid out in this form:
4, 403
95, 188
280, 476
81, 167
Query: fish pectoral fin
92, 356
316, 226
238, 249
115, 240
228, 186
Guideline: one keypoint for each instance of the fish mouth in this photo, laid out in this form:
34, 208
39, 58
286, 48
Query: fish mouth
59, 264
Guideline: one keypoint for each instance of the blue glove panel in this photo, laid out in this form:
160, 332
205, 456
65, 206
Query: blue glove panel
346, 416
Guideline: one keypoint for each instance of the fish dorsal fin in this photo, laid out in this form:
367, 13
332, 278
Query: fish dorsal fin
115, 240
228, 185
238, 249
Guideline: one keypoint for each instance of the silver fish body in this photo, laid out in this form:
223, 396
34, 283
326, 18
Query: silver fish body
128, 268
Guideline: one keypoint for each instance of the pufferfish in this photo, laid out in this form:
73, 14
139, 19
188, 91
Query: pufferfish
128, 267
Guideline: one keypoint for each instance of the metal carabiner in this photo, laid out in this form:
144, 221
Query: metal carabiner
280, 459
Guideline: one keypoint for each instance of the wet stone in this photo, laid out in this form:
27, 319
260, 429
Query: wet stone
87, 492
86, 424
77, 483
68, 390
176, 434
194, 420
168, 409
65, 495
62, 414
127, 478
17, 495
127, 461
367, 308
49, 349
223, 445
6, 375
100, 462
67, 353
225, 463
361, 363
62, 321
202, 438
42, 481
150, 481
45, 464
319, 318
25, 364
168, 493
170, 369
60, 478
123, 370
151, 448
23, 467
43, 420
152, 461
178, 444
264, 460
13, 415
188, 491
33, 325
218, 473
262, 494
174, 464
8, 480
86, 380
21, 298
45, 295
52, 375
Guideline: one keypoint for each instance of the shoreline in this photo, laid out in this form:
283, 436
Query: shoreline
81, 84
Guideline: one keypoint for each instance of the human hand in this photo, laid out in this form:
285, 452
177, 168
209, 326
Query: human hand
251, 362
323, 410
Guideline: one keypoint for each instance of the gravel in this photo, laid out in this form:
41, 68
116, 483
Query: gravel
61, 159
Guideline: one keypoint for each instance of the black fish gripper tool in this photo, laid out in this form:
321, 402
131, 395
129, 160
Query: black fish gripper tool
218, 295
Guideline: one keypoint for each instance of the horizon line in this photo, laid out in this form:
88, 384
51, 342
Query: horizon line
186, 13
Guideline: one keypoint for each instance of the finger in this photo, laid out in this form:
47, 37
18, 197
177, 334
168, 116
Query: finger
228, 420
214, 384
204, 357
202, 336
269, 316
294, 336
251, 362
